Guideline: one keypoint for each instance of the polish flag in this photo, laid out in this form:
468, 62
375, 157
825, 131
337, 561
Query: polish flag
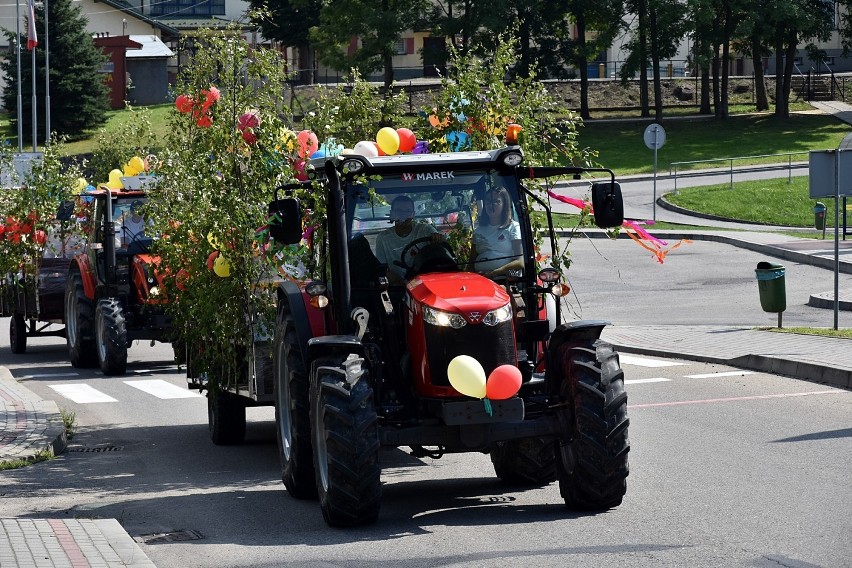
32, 38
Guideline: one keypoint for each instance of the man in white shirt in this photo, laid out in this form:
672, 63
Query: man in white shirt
391, 242
131, 225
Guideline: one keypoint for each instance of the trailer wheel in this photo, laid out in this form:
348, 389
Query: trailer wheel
526, 461
592, 455
111, 336
18, 333
79, 323
292, 410
226, 417
345, 441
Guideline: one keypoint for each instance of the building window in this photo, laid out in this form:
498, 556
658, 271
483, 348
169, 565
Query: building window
188, 8
399, 46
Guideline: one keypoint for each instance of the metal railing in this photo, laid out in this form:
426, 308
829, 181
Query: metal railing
673, 167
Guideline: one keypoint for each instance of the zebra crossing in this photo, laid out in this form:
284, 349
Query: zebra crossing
83, 393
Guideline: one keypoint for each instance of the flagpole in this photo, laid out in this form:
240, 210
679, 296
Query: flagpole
18, 57
46, 80
35, 109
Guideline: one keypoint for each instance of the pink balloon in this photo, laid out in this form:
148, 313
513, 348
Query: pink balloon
308, 143
299, 168
503, 382
248, 120
407, 140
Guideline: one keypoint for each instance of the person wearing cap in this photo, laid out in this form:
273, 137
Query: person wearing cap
392, 241
131, 225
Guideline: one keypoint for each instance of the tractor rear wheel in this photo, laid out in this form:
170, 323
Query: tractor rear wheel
226, 417
18, 334
292, 410
111, 336
79, 323
345, 441
526, 461
592, 455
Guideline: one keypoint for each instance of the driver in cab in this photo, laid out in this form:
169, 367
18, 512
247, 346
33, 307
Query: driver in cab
391, 242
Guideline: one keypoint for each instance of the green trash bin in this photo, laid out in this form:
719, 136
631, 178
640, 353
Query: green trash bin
819, 216
772, 287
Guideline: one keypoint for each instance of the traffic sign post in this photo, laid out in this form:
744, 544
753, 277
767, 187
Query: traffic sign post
655, 137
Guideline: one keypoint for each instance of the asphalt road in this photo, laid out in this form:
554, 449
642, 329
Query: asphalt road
728, 468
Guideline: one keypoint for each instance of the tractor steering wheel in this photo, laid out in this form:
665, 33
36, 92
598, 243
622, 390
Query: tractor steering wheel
415, 243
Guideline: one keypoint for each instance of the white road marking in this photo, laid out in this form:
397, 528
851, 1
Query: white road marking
50, 375
645, 361
162, 389
721, 374
642, 381
82, 394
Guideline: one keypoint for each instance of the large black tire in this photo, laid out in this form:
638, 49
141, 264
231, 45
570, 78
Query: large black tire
111, 337
527, 461
292, 410
226, 418
18, 334
79, 323
592, 456
345, 440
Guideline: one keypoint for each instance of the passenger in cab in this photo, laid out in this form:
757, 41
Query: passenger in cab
497, 248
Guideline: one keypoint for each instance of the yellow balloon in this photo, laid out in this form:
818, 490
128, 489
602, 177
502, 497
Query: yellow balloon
388, 140
130, 170
80, 185
222, 267
137, 164
467, 376
115, 174
214, 242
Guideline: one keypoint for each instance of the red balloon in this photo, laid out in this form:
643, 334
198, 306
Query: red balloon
249, 137
40, 237
211, 258
503, 382
407, 140
184, 103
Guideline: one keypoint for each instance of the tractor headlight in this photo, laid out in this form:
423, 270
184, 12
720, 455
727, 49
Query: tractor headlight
498, 316
443, 319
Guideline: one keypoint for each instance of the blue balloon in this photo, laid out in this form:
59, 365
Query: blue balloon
458, 140
318, 154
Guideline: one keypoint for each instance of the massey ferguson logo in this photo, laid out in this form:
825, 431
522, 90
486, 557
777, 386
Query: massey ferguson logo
428, 176
474, 316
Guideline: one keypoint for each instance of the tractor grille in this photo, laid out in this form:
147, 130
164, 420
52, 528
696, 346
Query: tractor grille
491, 346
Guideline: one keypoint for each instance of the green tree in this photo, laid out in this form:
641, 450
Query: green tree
289, 22
376, 25
78, 94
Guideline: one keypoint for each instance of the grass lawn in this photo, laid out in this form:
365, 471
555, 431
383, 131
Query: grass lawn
621, 147
772, 201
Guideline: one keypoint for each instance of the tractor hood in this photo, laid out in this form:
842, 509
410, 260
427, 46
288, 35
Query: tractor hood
458, 292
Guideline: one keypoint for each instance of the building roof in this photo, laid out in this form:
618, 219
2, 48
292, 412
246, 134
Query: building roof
207, 22
127, 8
152, 46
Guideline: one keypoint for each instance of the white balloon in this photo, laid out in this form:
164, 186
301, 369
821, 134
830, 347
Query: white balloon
366, 148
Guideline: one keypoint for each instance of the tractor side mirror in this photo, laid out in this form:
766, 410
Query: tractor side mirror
285, 223
608, 204
63, 213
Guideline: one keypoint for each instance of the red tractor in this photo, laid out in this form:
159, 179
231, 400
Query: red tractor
114, 291
362, 363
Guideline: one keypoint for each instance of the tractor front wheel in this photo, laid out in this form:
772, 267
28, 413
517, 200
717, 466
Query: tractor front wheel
111, 336
18, 334
345, 441
79, 323
592, 454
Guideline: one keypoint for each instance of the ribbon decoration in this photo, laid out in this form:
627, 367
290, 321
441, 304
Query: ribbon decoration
656, 247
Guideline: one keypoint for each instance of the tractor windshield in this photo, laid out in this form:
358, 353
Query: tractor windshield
474, 212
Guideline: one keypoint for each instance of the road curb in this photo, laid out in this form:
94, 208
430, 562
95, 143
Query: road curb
811, 372
36, 424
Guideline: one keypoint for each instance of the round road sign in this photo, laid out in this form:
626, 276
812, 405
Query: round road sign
654, 136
